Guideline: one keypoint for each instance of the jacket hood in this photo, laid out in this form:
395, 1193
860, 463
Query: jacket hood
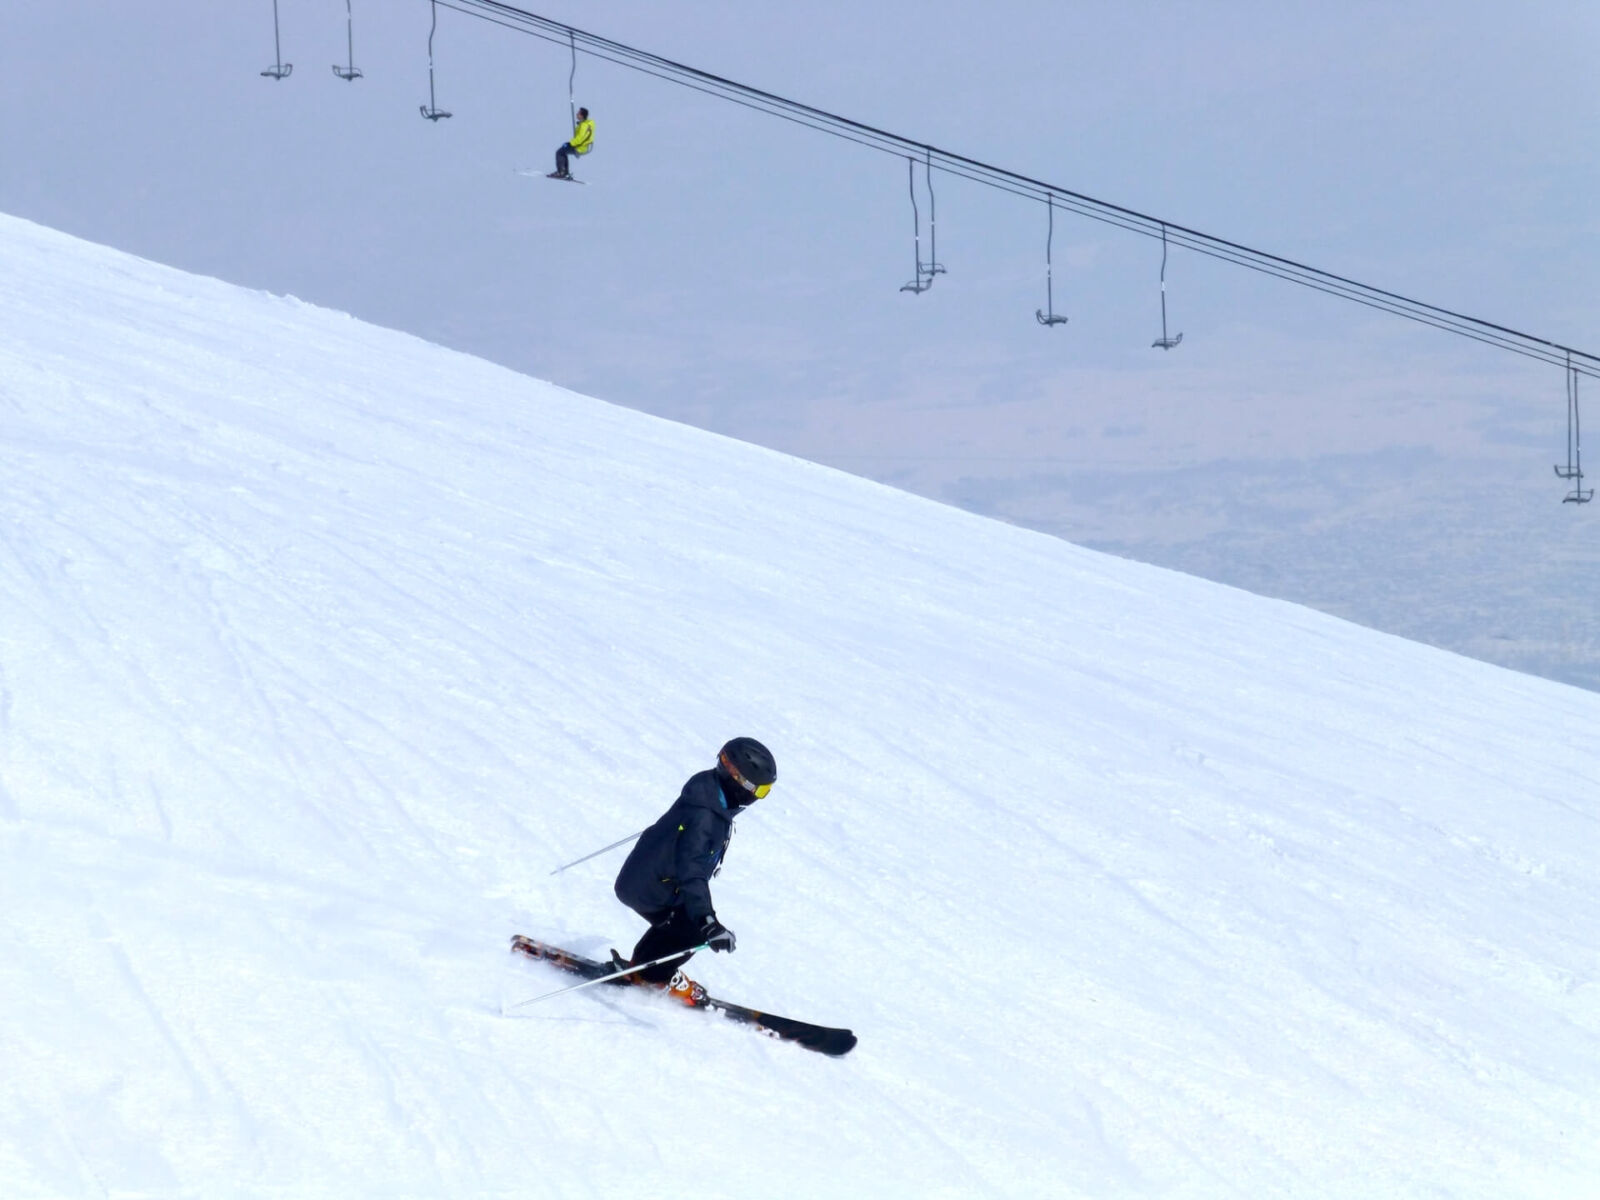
707, 790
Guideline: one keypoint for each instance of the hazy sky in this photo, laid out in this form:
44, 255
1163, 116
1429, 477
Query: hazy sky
738, 272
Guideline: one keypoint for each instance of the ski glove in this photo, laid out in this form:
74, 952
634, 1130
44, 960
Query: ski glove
716, 935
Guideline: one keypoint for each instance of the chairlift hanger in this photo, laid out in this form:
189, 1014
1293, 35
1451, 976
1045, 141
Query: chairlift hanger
934, 267
1574, 468
1047, 316
1164, 342
431, 110
279, 69
349, 73
922, 282
925, 270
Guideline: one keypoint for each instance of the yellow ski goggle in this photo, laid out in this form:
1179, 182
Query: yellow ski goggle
758, 790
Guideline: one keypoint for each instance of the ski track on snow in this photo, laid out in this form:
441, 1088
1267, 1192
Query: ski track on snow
320, 647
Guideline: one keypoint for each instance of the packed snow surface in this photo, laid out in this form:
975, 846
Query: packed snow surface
321, 646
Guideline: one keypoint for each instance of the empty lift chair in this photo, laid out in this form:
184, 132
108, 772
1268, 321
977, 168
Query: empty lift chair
1047, 315
348, 73
924, 276
279, 69
1574, 468
1164, 342
933, 267
431, 110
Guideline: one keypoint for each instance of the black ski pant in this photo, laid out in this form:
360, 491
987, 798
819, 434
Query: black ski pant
561, 156
669, 931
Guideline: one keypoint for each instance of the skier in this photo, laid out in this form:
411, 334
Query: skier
582, 142
666, 879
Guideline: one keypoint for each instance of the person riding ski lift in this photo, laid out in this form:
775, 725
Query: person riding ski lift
667, 877
581, 143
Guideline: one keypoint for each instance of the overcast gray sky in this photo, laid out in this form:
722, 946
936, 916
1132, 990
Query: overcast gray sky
740, 273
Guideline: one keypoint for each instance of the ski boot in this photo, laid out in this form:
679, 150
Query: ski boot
684, 989
679, 987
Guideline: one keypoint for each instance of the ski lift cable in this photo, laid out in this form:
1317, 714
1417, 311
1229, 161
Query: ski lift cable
1236, 253
640, 62
1135, 223
886, 146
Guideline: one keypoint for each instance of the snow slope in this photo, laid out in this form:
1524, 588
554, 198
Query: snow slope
320, 646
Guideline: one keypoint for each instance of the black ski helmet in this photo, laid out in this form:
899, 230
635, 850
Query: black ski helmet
749, 766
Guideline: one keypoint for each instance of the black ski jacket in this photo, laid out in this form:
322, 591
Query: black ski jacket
671, 864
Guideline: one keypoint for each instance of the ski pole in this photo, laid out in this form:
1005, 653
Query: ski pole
614, 975
597, 853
